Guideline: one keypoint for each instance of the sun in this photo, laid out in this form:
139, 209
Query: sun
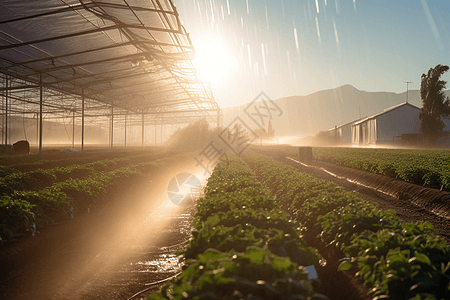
213, 60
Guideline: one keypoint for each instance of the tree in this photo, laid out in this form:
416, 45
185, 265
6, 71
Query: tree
435, 103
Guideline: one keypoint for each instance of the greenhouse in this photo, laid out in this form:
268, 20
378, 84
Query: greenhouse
97, 67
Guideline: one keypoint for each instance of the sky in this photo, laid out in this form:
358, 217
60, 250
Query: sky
298, 47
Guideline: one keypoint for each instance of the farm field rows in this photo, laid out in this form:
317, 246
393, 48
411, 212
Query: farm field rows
127, 239
390, 257
43, 191
244, 246
260, 225
423, 167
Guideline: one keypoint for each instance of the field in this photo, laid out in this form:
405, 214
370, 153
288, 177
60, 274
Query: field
103, 227
37, 191
263, 229
261, 219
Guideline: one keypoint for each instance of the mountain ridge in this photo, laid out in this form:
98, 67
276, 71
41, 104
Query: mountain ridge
307, 115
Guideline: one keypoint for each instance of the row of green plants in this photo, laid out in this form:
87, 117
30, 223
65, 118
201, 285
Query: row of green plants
424, 167
26, 163
9, 164
26, 211
243, 246
51, 156
42, 178
395, 260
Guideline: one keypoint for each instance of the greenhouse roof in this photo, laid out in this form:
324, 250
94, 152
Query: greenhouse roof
132, 54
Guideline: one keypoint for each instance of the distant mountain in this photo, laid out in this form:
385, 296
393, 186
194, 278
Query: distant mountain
307, 115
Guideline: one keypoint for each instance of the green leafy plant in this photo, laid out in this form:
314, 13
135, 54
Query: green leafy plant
396, 260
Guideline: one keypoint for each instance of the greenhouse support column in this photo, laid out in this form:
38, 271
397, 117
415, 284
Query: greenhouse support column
161, 131
3, 134
6, 115
9, 125
82, 119
142, 131
218, 118
112, 126
37, 128
156, 131
126, 130
73, 129
40, 112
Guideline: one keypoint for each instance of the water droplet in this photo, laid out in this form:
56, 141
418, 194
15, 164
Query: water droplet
318, 30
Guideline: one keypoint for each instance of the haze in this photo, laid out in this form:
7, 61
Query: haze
287, 48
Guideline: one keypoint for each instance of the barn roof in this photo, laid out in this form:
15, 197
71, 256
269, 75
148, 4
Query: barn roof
387, 110
349, 123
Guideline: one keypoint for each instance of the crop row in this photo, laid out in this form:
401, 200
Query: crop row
53, 158
27, 163
425, 167
393, 259
24, 211
42, 178
244, 246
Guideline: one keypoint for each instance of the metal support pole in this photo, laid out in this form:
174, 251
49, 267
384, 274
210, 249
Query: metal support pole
41, 98
112, 126
9, 125
218, 118
8, 122
126, 130
161, 131
37, 128
142, 131
3, 120
73, 129
6, 115
100, 133
156, 131
82, 119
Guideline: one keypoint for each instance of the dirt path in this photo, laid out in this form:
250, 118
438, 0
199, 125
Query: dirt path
110, 253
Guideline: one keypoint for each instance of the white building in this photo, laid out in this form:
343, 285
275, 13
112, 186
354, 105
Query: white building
400, 120
343, 133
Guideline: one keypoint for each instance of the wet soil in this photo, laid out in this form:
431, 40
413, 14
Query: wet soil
120, 248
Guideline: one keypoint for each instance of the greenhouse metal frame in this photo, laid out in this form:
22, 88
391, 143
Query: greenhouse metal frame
112, 63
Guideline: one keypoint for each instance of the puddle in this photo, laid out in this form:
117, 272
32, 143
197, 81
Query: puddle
159, 258
163, 263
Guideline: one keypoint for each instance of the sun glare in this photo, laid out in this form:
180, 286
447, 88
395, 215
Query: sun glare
213, 60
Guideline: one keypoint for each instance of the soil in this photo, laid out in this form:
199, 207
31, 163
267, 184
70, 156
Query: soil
121, 247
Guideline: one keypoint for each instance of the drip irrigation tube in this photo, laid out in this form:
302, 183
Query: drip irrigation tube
432, 200
151, 284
